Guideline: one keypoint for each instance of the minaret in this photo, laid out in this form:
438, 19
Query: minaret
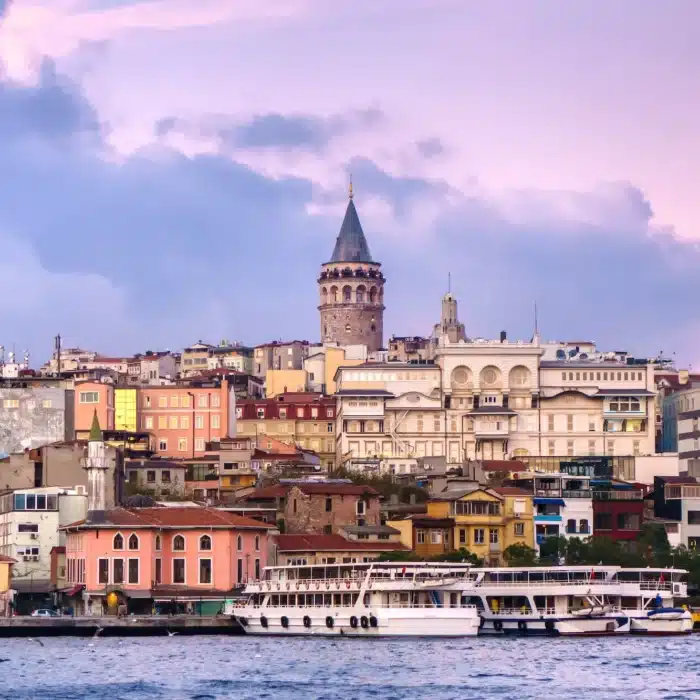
96, 467
351, 288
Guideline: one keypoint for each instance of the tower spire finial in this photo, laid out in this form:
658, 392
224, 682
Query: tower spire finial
449, 282
350, 187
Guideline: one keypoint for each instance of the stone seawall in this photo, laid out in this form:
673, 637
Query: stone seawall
137, 626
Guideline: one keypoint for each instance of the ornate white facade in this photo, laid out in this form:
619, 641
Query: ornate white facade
496, 400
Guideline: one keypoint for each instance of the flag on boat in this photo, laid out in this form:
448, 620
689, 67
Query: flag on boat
592, 574
661, 578
403, 571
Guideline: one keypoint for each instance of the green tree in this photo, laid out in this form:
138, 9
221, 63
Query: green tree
400, 555
552, 550
459, 555
520, 554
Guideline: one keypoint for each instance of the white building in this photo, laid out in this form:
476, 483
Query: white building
681, 427
29, 528
497, 400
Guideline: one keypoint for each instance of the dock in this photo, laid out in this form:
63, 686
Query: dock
131, 626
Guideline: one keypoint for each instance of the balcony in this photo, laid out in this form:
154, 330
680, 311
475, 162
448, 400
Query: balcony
547, 518
548, 493
618, 495
576, 493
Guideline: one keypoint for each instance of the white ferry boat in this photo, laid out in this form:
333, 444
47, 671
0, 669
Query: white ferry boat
360, 600
578, 600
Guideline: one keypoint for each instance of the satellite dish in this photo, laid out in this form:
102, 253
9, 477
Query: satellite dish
572, 353
583, 356
561, 355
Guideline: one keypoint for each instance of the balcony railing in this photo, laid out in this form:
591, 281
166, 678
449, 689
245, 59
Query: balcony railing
548, 493
576, 493
614, 495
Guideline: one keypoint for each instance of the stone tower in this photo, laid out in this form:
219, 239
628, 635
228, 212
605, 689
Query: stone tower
351, 289
96, 467
449, 322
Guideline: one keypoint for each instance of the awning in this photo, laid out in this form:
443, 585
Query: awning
70, 592
549, 501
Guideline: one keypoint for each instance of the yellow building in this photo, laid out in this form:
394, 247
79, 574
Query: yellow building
282, 381
125, 410
487, 521
5, 582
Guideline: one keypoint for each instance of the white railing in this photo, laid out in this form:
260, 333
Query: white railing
545, 584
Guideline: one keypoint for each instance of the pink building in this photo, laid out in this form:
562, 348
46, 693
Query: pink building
146, 557
91, 397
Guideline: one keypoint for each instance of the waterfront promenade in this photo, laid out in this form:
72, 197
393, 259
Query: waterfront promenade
131, 626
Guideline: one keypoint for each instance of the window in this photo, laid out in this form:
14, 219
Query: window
257, 543
329, 413
103, 570
199, 422
420, 536
329, 505
184, 422
173, 423
591, 424
570, 423
260, 412
550, 423
165, 476
583, 526
146, 401
199, 445
215, 401
133, 542
202, 401
185, 402
117, 571
174, 402
182, 445
216, 421
591, 448
133, 570
462, 536
178, 571
570, 448
162, 402
162, 445
27, 527
239, 543
205, 570
636, 449
205, 543
239, 570
435, 537
571, 526
85, 397
519, 529
361, 507
694, 517
46, 403
479, 535
159, 571
151, 476
159, 544
148, 423
178, 543
162, 422
257, 569
118, 542
493, 535
551, 449
329, 427
602, 521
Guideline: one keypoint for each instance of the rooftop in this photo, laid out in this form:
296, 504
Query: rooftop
332, 543
351, 244
171, 518
281, 490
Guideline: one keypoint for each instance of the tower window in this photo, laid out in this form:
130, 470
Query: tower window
347, 328
373, 328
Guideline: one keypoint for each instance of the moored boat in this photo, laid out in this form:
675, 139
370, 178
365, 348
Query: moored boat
360, 600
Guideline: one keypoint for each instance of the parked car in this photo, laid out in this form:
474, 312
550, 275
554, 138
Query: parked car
44, 612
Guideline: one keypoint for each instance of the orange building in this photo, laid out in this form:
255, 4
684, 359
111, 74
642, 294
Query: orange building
183, 419
91, 397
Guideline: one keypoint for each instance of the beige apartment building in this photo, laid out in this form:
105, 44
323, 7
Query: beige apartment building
496, 400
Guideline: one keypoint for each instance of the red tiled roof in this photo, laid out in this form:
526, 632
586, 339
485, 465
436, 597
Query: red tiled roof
58, 550
502, 464
313, 489
510, 491
332, 543
6, 560
292, 403
173, 518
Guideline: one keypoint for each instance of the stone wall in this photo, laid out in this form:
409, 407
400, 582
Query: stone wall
310, 515
353, 324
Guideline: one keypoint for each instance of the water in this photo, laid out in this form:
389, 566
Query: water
213, 668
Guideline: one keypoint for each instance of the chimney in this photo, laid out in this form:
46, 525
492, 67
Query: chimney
503, 336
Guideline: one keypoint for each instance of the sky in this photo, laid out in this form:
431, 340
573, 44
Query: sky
176, 170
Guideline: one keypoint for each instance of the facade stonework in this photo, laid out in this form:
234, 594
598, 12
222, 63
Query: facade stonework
327, 513
351, 290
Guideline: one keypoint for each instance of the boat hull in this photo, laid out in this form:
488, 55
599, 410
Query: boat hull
662, 624
389, 622
557, 626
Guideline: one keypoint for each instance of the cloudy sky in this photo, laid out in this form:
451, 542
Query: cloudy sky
177, 169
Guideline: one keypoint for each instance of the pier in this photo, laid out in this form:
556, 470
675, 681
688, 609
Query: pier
131, 626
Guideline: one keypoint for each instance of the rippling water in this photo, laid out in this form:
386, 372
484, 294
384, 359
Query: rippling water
211, 668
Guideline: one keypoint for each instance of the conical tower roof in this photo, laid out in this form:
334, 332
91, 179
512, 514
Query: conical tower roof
95, 430
351, 244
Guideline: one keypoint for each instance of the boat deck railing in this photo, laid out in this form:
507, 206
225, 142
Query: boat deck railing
587, 583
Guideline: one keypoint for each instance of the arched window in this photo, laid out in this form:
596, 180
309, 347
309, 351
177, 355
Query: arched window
178, 543
334, 294
360, 293
373, 295
347, 293
118, 542
257, 543
239, 544
571, 526
205, 543
583, 526
133, 541
324, 295
158, 543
